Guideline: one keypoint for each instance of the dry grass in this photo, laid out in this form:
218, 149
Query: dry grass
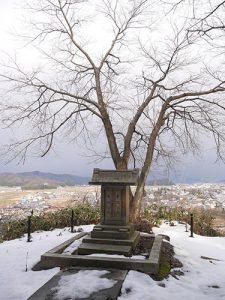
7, 198
64, 201
219, 221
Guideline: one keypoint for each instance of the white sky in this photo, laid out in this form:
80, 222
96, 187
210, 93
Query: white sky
70, 158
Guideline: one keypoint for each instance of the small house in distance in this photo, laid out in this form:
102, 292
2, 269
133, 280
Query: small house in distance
114, 234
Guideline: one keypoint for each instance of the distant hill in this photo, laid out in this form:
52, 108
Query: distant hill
36, 179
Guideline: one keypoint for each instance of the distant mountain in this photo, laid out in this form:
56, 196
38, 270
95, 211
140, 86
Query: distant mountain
38, 179
66, 178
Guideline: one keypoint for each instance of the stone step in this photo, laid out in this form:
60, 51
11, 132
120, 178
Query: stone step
90, 248
130, 242
111, 235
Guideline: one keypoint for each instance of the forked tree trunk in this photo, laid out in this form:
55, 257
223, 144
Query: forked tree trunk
135, 200
122, 164
135, 206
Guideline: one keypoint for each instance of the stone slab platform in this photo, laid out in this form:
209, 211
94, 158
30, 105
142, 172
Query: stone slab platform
46, 292
53, 259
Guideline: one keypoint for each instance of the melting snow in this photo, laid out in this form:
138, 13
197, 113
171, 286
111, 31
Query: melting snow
82, 284
203, 279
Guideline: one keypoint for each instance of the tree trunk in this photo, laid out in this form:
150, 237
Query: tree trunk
135, 203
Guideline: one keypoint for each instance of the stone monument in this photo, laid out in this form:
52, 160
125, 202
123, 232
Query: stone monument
114, 234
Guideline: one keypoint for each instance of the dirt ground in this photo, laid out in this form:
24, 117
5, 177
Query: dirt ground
62, 196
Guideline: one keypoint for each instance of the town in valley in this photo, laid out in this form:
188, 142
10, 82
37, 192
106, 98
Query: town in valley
16, 203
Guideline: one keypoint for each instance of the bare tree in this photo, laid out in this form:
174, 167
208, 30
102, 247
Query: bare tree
148, 97
207, 16
212, 20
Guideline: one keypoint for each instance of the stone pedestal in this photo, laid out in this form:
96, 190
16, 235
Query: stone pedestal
114, 235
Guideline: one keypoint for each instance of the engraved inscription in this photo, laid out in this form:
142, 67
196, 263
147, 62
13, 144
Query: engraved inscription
116, 206
108, 204
113, 205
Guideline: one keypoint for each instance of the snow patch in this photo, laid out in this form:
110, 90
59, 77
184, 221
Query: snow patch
17, 284
82, 284
138, 286
73, 247
202, 279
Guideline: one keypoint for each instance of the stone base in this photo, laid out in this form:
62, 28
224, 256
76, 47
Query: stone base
113, 232
55, 258
130, 242
110, 239
109, 246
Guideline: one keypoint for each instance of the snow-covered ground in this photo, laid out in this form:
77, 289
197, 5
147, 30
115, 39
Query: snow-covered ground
203, 279
15, 282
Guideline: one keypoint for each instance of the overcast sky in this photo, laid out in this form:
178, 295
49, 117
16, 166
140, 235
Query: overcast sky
68, 158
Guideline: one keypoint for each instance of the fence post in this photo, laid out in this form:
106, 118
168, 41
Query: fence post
186, 220
72, 221
29, 227
192, 225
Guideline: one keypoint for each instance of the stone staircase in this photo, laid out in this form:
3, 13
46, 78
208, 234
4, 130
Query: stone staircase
110, 239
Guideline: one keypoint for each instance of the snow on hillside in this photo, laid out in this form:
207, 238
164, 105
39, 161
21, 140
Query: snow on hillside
15, 282
203, 279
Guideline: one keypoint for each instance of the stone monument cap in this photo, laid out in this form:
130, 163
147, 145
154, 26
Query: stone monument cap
119, 177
